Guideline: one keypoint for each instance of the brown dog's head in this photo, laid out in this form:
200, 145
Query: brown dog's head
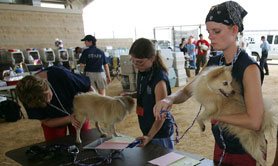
128, 101
220, 80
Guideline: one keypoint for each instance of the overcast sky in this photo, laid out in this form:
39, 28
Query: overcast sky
120, 18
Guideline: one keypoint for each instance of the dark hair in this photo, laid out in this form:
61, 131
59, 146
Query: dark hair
200, 35
144, 48
182, 39
263, 37
76, 49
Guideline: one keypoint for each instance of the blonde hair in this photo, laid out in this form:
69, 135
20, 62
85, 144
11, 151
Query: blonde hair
31, 91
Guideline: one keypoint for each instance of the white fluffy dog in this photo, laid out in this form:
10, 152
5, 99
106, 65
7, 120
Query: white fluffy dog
103, 109
216, 90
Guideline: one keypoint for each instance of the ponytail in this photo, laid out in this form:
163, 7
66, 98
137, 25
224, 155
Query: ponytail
159, 62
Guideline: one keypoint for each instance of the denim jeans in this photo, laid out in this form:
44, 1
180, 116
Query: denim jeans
166, 142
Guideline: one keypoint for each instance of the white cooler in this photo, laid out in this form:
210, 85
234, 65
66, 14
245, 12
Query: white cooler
180, 72
172, 77
179, 60
167, 57
181, 81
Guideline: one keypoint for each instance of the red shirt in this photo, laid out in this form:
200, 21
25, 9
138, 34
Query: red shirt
198, 44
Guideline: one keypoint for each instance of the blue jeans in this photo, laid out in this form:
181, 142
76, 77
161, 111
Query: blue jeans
165, 142
192, 61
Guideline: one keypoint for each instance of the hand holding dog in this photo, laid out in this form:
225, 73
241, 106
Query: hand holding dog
164, 104
74, 122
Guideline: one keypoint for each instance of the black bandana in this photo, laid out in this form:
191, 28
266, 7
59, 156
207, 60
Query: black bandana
228, 13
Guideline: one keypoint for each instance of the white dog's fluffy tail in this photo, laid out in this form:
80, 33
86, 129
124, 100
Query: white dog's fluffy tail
270, 118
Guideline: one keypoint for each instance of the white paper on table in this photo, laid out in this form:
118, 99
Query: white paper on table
181, 161
166, 159
112, 145
116, 143
121, 139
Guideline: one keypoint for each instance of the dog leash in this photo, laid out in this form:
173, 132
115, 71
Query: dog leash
61, 110
234, 60
105, 160
172, 120
224, 145
220, 130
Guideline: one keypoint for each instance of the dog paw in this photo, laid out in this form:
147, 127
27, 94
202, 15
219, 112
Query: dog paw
201, 125
203, 128
103, 135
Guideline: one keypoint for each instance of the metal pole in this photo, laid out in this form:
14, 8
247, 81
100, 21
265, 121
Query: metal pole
135, 33
174, 37
154, 36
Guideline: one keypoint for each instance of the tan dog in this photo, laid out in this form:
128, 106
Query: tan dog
103, 109
216, 90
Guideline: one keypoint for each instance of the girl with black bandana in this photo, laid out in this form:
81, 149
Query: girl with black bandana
224, 22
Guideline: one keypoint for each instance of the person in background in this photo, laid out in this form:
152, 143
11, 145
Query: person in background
77, 52
152, 86
243, 43
183, 46
191, 50
263, 61
93, 61
223, 23
48, 96
202, 47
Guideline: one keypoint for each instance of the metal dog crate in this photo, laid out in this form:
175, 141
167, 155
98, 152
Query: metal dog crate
62, 55
128, 82
14, 57
31, 54
47, 56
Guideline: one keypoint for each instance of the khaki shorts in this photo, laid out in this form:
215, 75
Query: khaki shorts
98, 80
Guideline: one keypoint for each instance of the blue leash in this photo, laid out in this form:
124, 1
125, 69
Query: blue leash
172, 120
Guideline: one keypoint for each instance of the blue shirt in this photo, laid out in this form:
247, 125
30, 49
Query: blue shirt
66, 85
265, 46
242, 62
94, 59
190, 47
146, 83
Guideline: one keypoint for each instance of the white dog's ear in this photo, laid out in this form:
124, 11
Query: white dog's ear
229, 68
215, 72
